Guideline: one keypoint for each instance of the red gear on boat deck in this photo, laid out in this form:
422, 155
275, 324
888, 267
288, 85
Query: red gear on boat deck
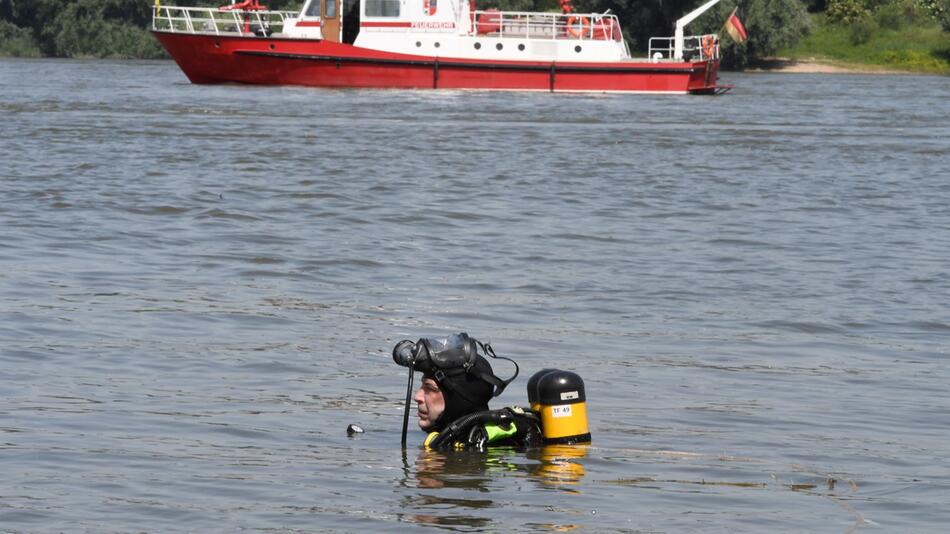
578, 26
246, 5
708, 47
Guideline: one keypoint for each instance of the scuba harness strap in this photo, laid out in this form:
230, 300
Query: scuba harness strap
469, 367
499, 384
482, 428
496, 432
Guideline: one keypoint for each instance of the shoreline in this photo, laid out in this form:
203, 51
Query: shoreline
817, 66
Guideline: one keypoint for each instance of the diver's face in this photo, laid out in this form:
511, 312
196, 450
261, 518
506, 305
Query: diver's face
430, 403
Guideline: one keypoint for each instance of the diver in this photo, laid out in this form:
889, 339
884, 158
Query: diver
452, 402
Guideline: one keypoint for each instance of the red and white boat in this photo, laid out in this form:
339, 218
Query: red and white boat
437, 44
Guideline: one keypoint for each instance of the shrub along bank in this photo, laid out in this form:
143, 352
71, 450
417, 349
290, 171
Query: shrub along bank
897, 35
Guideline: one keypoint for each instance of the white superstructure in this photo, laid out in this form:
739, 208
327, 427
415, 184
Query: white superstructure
452, 29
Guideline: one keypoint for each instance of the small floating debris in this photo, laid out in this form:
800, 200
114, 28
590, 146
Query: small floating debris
801, 487
354, 429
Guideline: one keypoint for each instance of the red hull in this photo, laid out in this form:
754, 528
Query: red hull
272, 61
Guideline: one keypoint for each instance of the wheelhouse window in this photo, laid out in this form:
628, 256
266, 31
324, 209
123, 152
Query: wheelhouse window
382, 8
313, 9
330, 11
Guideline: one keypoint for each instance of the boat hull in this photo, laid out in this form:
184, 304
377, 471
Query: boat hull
207, 59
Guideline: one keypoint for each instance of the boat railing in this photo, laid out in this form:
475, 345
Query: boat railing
212, 20
534, 25
695, 47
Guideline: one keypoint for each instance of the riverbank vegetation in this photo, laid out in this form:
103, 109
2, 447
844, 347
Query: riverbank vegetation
898, 37
88, 28
912, 35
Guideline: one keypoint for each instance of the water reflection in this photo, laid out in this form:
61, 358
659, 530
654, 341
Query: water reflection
447, 480
457, 470
558, 465
548, 466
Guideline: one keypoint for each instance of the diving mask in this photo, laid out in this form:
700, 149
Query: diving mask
452, 356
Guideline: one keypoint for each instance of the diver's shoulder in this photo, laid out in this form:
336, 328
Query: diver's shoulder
511, 426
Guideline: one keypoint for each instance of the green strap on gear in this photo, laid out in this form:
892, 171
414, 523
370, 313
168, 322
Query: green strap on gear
497, 433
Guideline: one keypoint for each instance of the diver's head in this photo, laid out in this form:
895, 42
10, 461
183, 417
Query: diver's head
441, 401
457, 380
430, 404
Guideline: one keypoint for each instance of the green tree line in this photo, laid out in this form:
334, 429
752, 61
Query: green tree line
88, 28
120, 28
76, 28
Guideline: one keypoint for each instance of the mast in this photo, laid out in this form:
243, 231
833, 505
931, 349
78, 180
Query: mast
681, 24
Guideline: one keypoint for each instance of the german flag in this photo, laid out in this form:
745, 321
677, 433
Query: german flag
735, 28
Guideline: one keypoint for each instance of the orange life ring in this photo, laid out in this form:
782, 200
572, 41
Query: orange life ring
578, 26
709, 47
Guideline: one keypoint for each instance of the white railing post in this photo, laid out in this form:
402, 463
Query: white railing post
195, 20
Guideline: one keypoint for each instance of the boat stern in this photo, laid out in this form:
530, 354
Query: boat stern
705, 78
